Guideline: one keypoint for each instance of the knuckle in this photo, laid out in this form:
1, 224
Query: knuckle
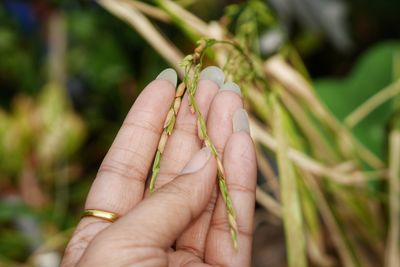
144, 120
177, 190
221, 224
193, 250
189, 128
241, 188
84, 234
124, 170
86, 231
241, 154
181, 196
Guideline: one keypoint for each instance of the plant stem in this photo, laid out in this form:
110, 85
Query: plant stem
372, 103
393, 244
291, 209
142, 25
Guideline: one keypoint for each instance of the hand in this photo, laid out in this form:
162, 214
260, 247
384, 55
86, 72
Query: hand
184, 222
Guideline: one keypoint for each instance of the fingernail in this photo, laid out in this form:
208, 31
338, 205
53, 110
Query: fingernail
214, 74
231, 86
240, 121
198, 161
168, 75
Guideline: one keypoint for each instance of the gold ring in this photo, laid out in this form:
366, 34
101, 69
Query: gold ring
101, 214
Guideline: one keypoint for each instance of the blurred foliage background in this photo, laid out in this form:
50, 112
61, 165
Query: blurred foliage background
69, 72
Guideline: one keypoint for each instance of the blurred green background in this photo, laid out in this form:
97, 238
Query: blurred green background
69, 72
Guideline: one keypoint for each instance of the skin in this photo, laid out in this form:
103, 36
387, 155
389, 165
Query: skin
184, 222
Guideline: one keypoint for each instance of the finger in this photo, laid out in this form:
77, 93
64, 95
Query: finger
219, 125
181, 258
120, 181
146, 232
184, 140
241, 173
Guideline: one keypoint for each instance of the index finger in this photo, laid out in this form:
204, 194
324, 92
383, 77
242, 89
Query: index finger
120, 181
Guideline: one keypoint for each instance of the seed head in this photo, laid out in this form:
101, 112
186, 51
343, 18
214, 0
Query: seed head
180, 90
163, 141
177, 104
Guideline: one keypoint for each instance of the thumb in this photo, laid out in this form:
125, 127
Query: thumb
161, 218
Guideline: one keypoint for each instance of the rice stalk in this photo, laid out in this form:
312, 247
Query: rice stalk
372, 103
392, 256
305, 162
292, 214
339, 240
150, 10
322, 149
268, 173
269, 203
143, 26
280, 71
190, 24
316, 249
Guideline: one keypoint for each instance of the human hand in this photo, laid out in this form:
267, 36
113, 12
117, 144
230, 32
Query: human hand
183, 223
